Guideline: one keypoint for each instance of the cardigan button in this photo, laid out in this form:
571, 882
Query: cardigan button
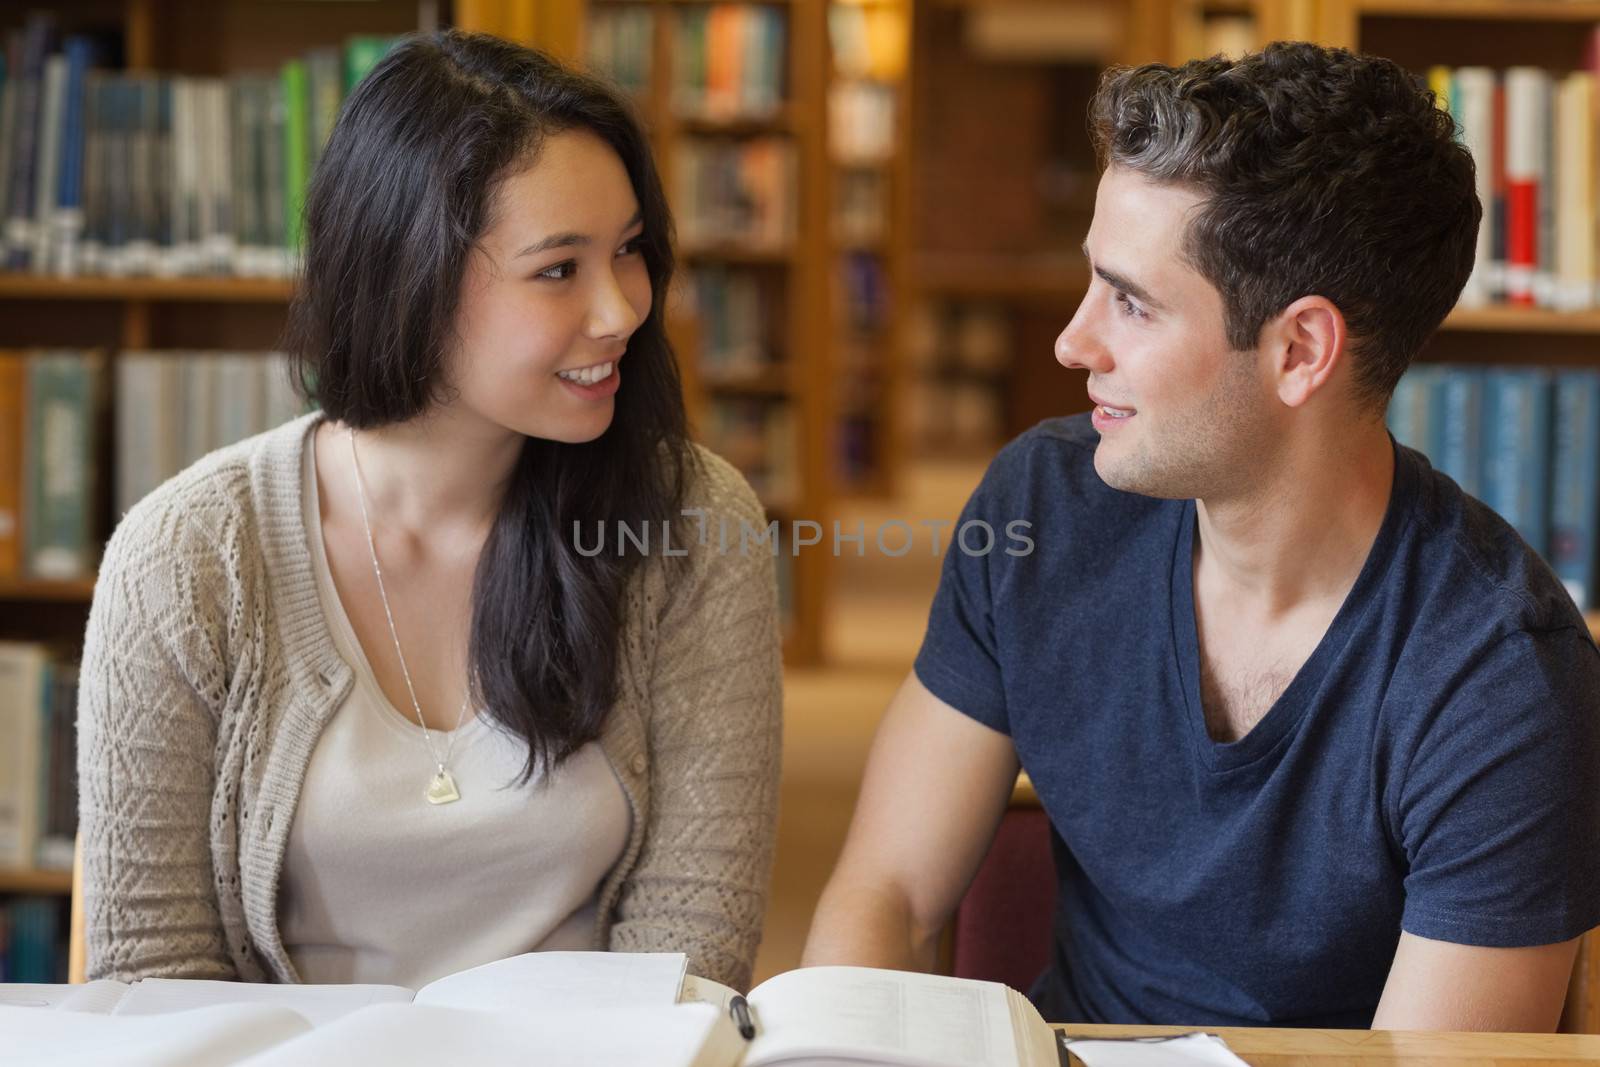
640, 764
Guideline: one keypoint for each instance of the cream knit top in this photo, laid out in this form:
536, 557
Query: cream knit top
209, 673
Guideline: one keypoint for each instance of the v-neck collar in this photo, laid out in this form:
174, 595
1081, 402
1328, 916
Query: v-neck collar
1289, 709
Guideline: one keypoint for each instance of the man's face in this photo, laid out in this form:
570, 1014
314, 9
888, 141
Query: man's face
1180, 413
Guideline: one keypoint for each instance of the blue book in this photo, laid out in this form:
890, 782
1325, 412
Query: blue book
1455, 430
1409, 407
1516, 451
1575, 498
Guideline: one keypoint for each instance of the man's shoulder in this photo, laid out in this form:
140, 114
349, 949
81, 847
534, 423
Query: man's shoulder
1476, 572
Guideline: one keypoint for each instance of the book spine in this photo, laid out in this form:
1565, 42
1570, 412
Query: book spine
1499, 261
12, 403
33, 49
1544, 277
49, 160
1459, 427
295, 154
1575, 192
8, 122
273, 178
222, 146
1575, 499
1517, 451
62, 395
66, 252
1473, 101
143, 253
1524, 154
22, 691
242, 175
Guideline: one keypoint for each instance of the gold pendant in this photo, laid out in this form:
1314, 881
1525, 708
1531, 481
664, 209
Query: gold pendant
442, 790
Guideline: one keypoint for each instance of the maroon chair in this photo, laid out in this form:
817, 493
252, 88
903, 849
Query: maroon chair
1002, 928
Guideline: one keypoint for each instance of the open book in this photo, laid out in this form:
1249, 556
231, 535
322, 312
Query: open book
545, 1008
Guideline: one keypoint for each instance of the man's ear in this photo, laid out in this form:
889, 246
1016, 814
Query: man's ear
1307, 342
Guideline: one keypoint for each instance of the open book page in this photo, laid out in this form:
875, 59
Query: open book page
319, 1004
554, 980
697, 990
689, 1035
888, 1017
98, 997
206, 1037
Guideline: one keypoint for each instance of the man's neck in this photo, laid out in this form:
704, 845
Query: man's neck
1300, 533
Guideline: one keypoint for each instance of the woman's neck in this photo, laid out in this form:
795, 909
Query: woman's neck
435, 474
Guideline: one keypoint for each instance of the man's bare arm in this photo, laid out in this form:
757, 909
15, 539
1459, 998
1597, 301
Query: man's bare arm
1436, 985
935, 787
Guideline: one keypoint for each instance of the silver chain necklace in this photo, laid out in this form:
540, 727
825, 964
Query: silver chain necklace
442, 786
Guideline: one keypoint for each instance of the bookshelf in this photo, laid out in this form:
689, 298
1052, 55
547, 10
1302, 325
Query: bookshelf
751, 315
868, 129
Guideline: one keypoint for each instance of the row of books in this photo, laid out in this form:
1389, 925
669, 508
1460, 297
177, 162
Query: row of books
728, 61
169, 409
1525, 441
619, 44
33, 945
736, 192
145, 174
736, 310
1532, 136
38, 757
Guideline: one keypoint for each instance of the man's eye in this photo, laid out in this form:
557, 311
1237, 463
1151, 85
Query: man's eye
1129, 308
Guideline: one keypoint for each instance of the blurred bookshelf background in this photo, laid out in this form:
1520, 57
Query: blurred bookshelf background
879, 206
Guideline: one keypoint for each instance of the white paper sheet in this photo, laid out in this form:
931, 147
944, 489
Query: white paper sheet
1190, 1050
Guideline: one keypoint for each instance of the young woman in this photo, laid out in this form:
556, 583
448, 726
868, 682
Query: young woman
355, 706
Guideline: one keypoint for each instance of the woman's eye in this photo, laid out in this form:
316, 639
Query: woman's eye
1129, 308
560, 272
633, 247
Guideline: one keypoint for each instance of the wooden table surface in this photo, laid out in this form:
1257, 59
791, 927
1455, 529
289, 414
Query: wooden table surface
1332, 1048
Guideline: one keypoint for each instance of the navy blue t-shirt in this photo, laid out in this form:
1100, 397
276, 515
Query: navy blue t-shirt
1433, 767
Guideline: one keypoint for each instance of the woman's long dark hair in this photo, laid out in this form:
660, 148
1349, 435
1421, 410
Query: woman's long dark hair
400, 195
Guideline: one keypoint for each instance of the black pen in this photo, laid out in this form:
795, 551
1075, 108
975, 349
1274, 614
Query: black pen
740, 1009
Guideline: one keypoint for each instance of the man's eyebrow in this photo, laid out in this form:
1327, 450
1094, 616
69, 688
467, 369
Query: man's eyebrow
571, 240
1126, 285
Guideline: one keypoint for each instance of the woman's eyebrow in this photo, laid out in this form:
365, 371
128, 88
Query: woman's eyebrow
570, 239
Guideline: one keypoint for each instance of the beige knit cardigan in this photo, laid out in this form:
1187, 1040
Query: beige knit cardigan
209, 672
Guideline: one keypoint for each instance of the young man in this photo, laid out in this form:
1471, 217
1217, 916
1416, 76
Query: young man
1318, 734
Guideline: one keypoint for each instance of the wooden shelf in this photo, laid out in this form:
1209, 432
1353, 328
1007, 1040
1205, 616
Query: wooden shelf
781, 122
1523, 320
79, 591
1515, 10
742, 255
771, 382
21, 880
208, 290
1593, 619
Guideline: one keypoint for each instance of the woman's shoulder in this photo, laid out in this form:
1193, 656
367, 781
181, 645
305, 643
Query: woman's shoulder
716, 486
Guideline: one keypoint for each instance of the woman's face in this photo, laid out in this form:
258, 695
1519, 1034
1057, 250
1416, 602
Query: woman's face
552, 292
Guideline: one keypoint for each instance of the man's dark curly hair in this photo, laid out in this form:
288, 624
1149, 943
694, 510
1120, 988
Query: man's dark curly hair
1325, 173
